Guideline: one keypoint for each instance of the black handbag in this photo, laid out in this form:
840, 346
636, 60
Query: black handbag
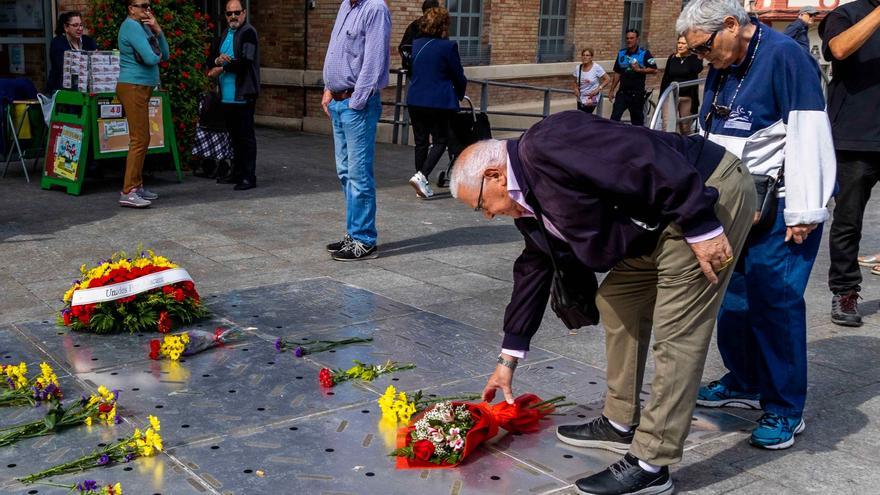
573, 290
766, 188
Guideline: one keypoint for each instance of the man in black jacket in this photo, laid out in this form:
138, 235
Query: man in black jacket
666, 215
235, 62
412, 32
851, 41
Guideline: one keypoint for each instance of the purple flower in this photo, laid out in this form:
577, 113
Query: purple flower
299, 352
104, 460
278, 344
87, 485
116, 393
128, 457
118, 419
84, 400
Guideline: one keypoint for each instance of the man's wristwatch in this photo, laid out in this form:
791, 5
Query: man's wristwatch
505, 362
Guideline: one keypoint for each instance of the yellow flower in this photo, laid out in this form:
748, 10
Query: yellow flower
154, 422
103, 391
386, 403
117, 489
88, 421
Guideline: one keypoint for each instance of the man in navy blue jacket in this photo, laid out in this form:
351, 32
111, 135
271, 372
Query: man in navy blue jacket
666, 215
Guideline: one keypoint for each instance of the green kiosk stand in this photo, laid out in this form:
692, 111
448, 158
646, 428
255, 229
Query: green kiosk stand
94, 125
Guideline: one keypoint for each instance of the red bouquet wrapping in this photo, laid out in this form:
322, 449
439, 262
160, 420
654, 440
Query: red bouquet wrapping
444, 435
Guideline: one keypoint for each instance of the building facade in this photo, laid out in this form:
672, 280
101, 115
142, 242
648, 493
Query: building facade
530, 42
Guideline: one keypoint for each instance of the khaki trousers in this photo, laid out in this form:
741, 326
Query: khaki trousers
135, 99
667, 290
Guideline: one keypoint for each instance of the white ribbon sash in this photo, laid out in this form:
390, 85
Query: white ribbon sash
129, 288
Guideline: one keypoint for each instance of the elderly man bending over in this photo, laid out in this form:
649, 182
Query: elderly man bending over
667, 221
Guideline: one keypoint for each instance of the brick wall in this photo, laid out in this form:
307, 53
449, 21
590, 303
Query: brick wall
596, 23
660, 26
280, 24
514, 31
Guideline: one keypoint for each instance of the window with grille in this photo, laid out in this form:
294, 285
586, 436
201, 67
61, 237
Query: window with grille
633, 14
552, 30
465, 28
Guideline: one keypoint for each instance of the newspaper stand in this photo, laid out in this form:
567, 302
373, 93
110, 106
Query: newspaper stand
84, 126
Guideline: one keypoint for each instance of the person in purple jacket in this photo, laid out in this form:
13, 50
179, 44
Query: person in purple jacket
667, 223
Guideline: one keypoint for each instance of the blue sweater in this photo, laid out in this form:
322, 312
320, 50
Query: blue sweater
437, 79
138, 64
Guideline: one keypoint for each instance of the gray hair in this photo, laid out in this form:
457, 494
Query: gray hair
708, 15
468, 170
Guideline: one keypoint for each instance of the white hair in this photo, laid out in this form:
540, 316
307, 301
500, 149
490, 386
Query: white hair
708, 15
468, 170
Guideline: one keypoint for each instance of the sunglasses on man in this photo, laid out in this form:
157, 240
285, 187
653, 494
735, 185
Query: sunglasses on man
704, 47
233, 13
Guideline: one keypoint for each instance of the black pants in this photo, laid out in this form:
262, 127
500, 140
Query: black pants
240, 124
857, 172
634, 101
433, 123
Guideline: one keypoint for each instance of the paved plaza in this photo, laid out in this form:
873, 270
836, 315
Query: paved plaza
246, 420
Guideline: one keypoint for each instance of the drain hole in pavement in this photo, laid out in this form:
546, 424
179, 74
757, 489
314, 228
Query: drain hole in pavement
127, 468
567, 456
331, 351
10, 357
432, 395
182, 361
277, 326
102, 445
215, 447
245, 349
234, 305
213, 295
331, 393
114, 373
365, 411
75, 345
395, 379
496, 478
256, 316
592, 383
232, 391
549, 367
328, 450
184, 426
159, 406
261, 409
135, 389
32, 492
305, 339
11, 465
582, 415
299, 378
140, 335
293, 428
60, 333
270, 363
248, 471
94, 359
206, 376
370, 474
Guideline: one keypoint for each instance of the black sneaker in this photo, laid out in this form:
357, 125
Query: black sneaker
845, 309
626, 477
339, 245
597, 434
356, 251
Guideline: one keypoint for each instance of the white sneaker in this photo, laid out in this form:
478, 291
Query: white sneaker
420, 184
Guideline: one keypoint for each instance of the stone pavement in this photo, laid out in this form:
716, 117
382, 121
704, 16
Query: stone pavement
436, 258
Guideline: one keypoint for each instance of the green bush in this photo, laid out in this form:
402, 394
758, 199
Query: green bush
188, 32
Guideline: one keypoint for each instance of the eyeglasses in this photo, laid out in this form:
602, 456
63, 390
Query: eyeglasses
704, 47
144, 6
78, 25
233, 13
479, 206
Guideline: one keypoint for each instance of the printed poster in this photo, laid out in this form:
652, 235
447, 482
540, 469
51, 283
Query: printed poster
65, 146
113, 132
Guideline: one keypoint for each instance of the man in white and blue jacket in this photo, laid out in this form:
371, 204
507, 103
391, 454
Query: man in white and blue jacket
763, 102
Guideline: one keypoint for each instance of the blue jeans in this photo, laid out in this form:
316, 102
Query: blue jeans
354, 137
762, 327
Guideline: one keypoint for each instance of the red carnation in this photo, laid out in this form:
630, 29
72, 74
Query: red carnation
423, 450
66, 316
84, 318
178, 32
105, 408
164, 324
325, 377
207, 17
179, 295
198, 15
210, 25
167, 289
154, 349
185, 75
168, 16
163, 65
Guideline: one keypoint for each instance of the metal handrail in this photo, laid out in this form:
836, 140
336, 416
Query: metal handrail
673, 91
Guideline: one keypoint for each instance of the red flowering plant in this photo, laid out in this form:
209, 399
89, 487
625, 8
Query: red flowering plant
188, 33
125, 293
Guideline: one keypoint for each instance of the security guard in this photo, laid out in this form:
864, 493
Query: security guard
630, 69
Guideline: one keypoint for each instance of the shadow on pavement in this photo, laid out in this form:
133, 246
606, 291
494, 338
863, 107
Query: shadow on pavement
460, 236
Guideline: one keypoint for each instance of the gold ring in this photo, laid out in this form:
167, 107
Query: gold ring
726, 263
